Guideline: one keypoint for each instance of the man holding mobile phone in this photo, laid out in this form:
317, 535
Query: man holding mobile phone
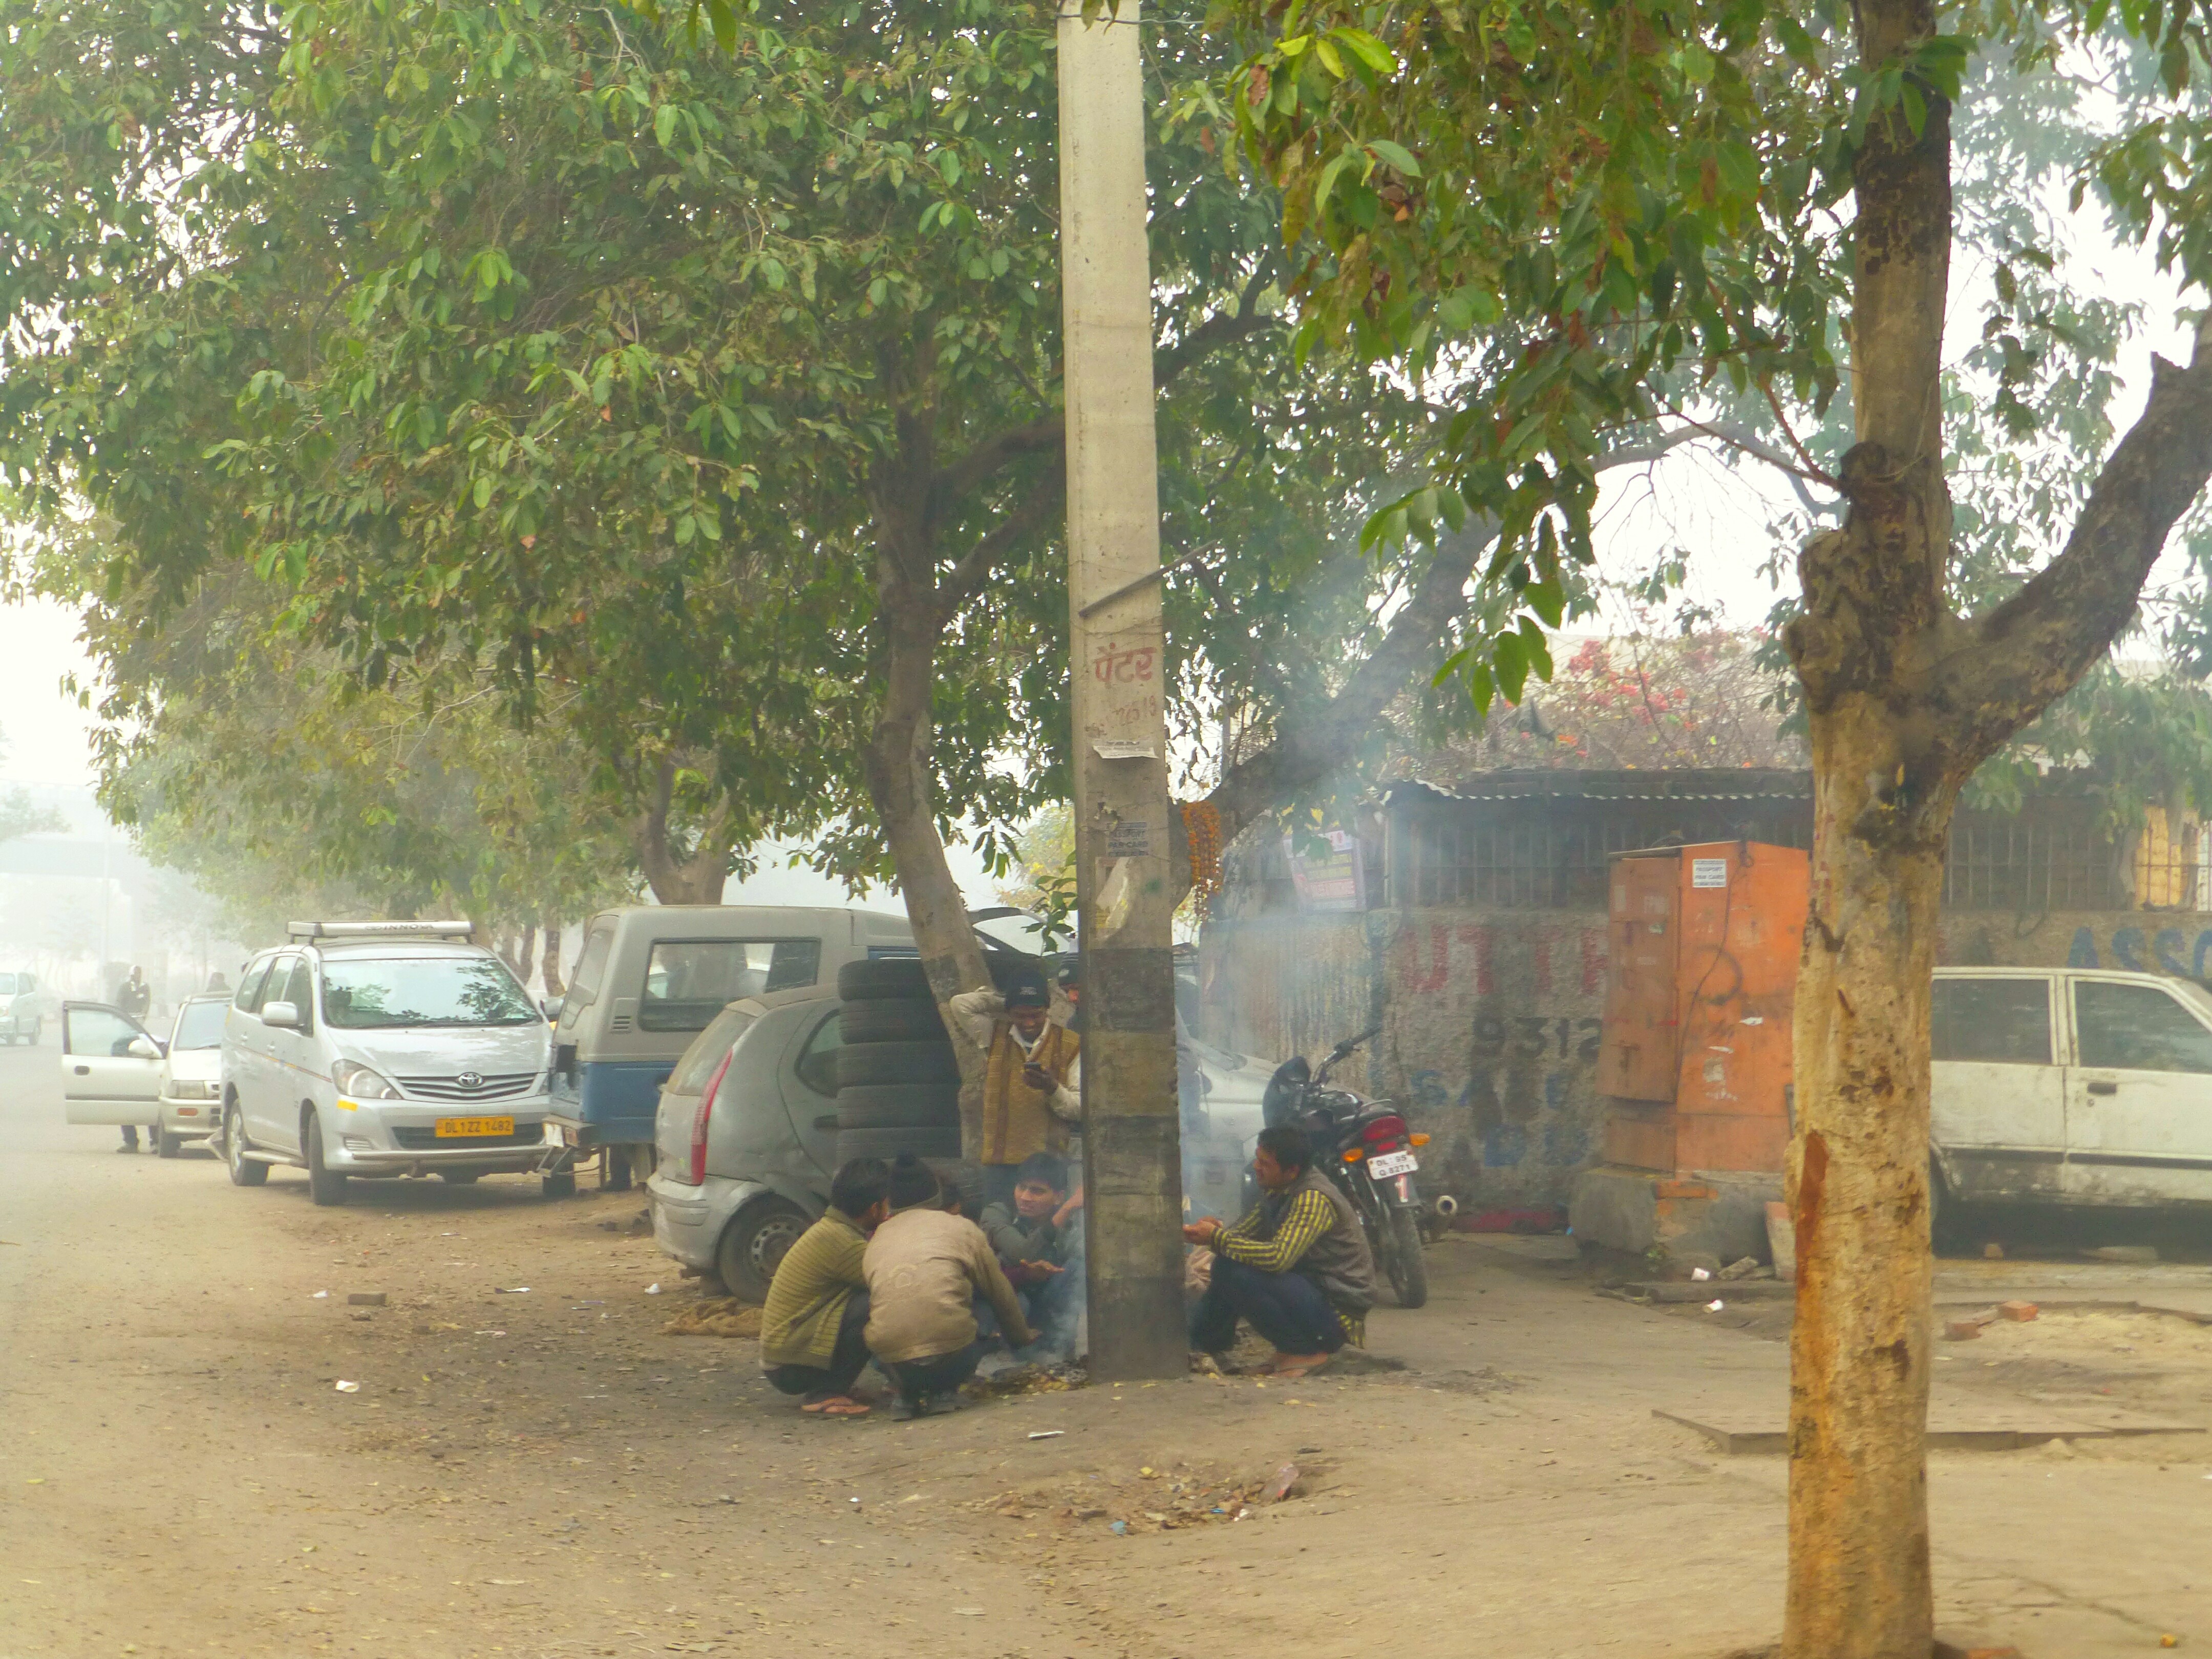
1032, 1077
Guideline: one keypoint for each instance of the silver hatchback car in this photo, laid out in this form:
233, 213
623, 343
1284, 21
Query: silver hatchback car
743, 1167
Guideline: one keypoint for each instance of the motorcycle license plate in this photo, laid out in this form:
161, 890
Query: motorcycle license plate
1385, 1166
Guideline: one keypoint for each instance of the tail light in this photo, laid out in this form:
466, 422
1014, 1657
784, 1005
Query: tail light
1383, 1131
701, 1118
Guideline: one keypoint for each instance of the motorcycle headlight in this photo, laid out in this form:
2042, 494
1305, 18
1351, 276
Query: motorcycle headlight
363, 1084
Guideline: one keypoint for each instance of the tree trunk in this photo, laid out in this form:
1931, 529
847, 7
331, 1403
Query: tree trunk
1859, 1581
556, 986
896, 760
677, 877
526, 951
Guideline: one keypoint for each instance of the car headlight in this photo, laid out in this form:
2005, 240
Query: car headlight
361, 1083
180, 1089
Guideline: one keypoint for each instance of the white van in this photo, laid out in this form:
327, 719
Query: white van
652, 976
2071, 1086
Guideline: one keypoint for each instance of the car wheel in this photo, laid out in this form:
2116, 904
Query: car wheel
165, 1143
326, 1186
562, 1183
38, 1030
244, 1171
899, 1019
863, 1063
900, 1106
614, 1169
459, 1177
756, 1240
883, 978
888, 1144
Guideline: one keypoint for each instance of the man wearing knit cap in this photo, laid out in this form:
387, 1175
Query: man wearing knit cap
925, 1269
1032, 1077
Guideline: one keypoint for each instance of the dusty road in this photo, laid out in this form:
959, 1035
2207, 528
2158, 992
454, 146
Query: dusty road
542, 1471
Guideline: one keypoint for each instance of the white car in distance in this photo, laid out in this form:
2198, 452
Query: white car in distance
191, 1074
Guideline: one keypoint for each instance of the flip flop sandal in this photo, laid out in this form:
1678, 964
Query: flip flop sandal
845, 1408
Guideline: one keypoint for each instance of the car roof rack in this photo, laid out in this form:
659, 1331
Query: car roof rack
338, 931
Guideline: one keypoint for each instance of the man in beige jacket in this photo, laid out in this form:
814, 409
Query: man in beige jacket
925, 1269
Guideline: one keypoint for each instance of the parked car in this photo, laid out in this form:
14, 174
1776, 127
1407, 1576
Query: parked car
747, 1130
26, 1006
652, 976
111, 1067
190, 1079
2069, 1086
373, 1050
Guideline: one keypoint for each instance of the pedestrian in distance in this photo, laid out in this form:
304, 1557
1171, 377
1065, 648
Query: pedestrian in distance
925, 1270
1038, 1239
136, 998
813, 1326
1032, 1077
1295, 1267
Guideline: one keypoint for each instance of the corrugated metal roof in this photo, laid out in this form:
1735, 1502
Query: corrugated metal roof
1530, 784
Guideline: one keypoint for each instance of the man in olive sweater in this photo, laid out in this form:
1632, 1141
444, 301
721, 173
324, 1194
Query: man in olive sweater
811, 1341
925, 1269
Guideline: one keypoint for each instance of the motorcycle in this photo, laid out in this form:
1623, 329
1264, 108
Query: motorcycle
1367, 1149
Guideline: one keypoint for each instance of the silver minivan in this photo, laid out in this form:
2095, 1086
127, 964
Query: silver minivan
381, 1050
651, 977
2071, 1087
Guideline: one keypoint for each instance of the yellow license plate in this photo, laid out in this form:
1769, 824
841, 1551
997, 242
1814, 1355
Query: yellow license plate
455, 1127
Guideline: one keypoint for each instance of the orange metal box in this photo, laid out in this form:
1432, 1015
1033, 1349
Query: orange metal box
1694, 1060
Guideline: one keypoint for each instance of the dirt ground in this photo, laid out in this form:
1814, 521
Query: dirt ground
529, 1466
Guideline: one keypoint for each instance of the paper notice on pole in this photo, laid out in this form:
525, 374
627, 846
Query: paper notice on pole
1129, 838
1115, 894
1121, 748
1708, 872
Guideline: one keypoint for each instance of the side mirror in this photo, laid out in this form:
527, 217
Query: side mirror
280, 1013
142, 1048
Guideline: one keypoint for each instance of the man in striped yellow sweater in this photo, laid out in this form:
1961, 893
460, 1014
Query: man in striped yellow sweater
1295, 1266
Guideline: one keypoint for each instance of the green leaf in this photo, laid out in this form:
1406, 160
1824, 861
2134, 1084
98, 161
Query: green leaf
1364, 46
664, 123
1396, 155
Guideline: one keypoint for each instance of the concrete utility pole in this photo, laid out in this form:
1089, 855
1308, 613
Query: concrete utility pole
1132, 1154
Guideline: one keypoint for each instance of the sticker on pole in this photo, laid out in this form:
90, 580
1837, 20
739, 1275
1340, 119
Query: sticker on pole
1708, 872
1121, 749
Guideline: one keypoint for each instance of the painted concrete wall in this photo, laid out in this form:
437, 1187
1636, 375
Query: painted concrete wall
1490, 1018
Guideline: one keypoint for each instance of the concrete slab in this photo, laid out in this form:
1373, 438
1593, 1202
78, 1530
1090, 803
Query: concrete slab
1953, 1425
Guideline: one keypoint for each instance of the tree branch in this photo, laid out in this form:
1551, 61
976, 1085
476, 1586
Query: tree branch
2031, 649
962, 582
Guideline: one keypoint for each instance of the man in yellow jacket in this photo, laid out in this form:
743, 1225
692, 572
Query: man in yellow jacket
1032, 1078
812, 1340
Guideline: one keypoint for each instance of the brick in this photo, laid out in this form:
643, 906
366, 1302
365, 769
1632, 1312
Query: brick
1961, 1330
1686, 1189
2020, 1312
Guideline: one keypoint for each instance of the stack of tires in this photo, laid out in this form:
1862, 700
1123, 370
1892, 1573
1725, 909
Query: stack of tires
898, 1084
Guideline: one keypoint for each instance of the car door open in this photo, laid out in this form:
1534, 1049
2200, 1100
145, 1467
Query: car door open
2139, 1095
111, 1067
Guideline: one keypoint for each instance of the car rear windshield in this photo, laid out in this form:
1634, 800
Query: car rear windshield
199, 1025
707, 1051
365, 995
